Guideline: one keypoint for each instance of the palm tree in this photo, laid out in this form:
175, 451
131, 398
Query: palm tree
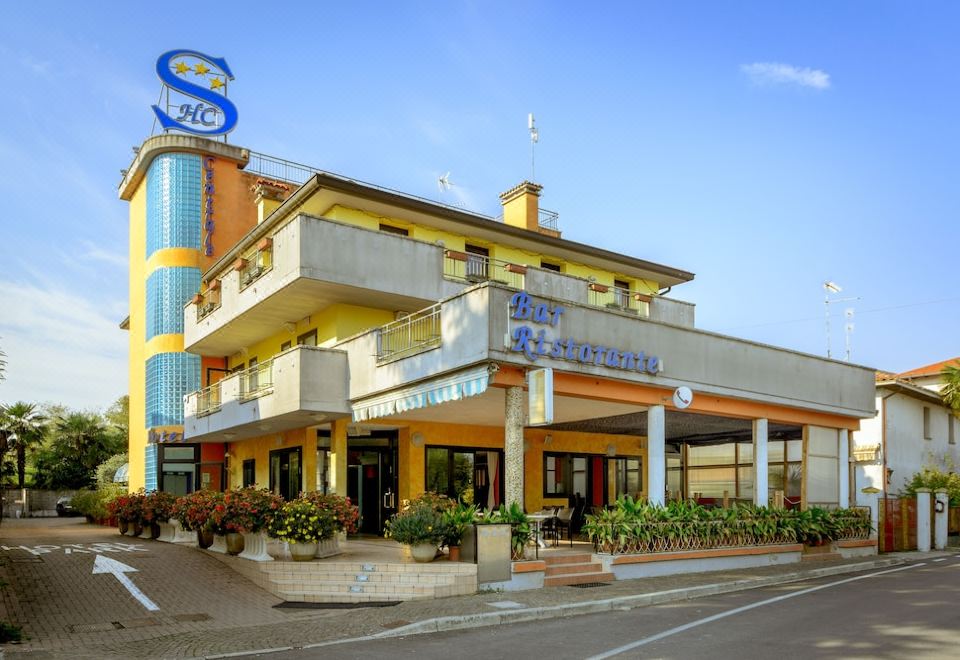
950, 392
87, 437
23, 426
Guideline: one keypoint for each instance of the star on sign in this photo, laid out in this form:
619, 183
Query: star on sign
215, 83
182, 67
201, 69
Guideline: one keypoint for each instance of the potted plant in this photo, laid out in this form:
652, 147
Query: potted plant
520, 532
421, 527
346, 516
125, 507
302, 524
194, 510
455, 523
242, 511
156, 508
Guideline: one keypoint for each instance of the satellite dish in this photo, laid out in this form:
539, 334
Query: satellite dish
682, 397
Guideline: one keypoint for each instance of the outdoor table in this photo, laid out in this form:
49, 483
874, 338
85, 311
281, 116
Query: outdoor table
537, 519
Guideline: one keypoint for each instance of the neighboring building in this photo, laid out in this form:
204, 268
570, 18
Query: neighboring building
340, 336
912, 429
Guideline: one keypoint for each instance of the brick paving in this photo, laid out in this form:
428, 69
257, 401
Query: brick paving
207, 609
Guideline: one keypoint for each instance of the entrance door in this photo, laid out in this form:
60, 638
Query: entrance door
371, 485
286, 473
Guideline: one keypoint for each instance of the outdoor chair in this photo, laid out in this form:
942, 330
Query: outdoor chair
564, 521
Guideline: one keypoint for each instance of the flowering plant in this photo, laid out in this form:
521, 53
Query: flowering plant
244, 510
127, 506
345, 514
302, 521
193, 510
157, 507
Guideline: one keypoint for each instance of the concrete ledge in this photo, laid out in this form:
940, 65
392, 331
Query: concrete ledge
627, 567
857, 548
528, 566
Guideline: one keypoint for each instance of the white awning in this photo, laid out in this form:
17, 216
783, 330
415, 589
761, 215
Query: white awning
429, 393
120, 476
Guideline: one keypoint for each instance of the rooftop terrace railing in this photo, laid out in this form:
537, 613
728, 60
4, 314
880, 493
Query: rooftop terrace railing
478, 268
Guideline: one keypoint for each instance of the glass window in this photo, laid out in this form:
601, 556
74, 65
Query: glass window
745, 452
712, 454
438, 473
546, 265
179, 454
249, 473
775, 451
477, 260
745, 482
627, 477
580, 475
775, 476
712, 482
463, 476
473, 476
307, 339
555, 471
794, 450
390, 229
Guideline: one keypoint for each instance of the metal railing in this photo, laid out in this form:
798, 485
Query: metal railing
548, 219
258, 262
410, 335
256, 380
477, 268
208, 399
613, 297
209, 302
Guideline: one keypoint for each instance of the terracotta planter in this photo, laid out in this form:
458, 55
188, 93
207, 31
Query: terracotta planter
137, 528
204, 538
234, 543
454, 552
302, 551
123, 526
154, 530
423, 552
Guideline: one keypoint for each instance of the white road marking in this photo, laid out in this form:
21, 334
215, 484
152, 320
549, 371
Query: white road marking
941, 559
104, 564
738, 610
71, 548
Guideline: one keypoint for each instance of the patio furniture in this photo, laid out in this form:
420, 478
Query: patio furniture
564, 521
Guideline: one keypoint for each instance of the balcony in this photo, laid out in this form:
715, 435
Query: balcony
302, 386
415, 333
474, 268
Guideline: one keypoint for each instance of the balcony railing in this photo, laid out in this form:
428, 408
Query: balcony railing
614, 297
207, 302
256, 380
208, 400
412, 334
253, 265
548, 219
478, 268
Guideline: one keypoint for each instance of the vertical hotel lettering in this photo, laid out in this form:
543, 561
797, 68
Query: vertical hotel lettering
208, 224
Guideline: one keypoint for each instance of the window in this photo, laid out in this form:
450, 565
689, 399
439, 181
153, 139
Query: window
178, 468
253, 377
249, 473
390, 229
628, 477
926, 423
285, 345
307, 338
471, 475
478, 259
579, 475
621, 293
239, 367
285, 472
546, 265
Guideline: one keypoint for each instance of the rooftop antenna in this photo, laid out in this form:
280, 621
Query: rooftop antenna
534, 138
443, 184
833, 287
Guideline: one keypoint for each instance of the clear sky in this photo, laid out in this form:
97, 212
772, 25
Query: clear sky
766, 147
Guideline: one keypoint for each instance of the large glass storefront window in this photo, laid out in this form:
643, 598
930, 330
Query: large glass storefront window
471, 475
726, 470
592, 478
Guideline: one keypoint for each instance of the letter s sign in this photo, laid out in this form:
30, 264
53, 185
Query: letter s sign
170, 79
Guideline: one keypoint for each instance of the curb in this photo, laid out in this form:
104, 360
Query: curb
467, 621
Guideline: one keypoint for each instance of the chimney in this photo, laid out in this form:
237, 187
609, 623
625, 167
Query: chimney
268, 195
521, 206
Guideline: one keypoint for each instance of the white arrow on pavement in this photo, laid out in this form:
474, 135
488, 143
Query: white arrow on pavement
103, 564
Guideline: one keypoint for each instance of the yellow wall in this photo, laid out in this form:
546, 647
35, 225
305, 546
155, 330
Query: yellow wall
137, 330
259, 450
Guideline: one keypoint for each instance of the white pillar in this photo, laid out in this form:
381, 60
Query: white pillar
513, 446
760, 477
844, 453
656, 459
940, 515
872, 495
923, 519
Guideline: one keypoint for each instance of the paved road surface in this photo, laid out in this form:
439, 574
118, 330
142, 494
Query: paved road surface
908, 612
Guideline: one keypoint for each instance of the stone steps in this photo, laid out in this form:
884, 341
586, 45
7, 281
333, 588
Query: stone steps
577, 578
570, 569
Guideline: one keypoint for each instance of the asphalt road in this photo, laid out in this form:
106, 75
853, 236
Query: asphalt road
906, 612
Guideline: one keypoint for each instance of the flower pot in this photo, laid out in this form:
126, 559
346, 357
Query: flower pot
423, 552
302, 551
454, 553
204, 538
154, 530
123, 525
234, 543
328, 547
137, 528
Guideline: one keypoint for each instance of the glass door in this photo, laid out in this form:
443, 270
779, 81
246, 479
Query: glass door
286, 473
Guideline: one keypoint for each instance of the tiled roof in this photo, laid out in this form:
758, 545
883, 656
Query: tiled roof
930, 369
885, 375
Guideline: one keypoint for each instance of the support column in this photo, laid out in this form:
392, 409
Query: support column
941, 513
338, 456
513, 447
844, 481
760, 475
656, 458
923, 519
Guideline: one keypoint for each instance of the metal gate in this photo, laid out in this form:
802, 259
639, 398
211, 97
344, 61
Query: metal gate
898, 524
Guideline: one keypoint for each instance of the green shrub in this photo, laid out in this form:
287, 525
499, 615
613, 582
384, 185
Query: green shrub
418, 523
10, 632
934, 478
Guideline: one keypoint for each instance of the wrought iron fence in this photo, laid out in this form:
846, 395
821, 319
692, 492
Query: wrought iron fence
410, 335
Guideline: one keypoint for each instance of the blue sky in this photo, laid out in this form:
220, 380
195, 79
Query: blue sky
766, 147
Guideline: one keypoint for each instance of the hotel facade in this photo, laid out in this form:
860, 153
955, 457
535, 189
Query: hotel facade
301, 331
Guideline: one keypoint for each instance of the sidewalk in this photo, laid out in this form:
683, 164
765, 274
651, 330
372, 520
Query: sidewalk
318, 627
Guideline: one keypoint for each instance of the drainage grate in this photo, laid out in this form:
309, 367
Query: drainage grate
183, 618
26, 560
93, 627
588, 585
334, 606
136, 623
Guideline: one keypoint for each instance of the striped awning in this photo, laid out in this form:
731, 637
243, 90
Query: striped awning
430, 393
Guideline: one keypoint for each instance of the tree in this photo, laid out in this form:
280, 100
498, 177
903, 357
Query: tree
950, 393
118, 418
86, 437
24, 426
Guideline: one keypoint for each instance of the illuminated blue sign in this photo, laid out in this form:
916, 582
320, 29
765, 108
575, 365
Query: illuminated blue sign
206, 111
534, 343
